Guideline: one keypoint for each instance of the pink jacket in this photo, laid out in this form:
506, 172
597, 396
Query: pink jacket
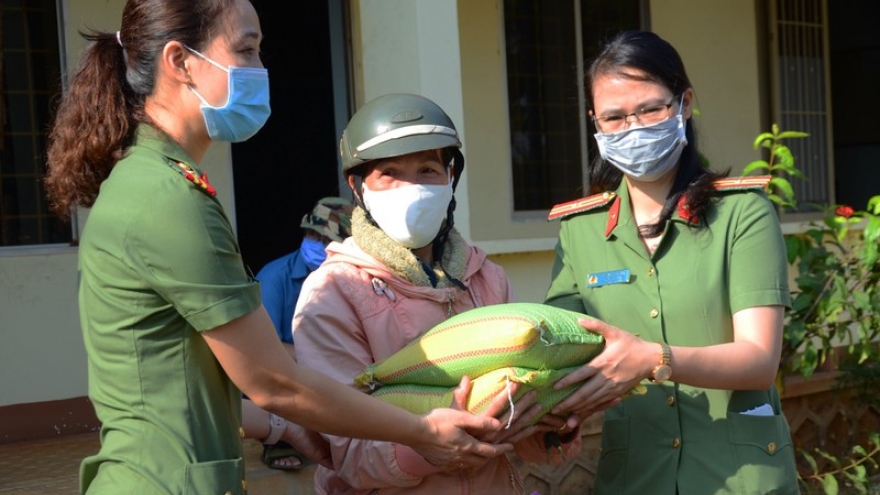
352, 312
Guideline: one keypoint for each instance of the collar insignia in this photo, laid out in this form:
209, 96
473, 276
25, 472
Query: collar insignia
581, 205
200, 181
756, 182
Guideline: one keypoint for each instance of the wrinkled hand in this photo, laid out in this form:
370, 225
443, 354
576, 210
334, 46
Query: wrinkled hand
607, 377
516, 424
450, 439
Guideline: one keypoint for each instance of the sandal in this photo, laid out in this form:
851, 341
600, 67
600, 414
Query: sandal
273, 454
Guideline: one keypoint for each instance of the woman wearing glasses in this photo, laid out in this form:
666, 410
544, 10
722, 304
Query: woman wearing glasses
686, 272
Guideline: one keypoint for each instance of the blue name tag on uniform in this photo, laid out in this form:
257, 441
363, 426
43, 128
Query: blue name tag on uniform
608, 278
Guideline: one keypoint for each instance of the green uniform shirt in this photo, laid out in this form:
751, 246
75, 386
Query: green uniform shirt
686, 295
159, 264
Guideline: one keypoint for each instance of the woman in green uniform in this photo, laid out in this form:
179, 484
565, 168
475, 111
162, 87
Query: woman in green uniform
172, 324
686, 272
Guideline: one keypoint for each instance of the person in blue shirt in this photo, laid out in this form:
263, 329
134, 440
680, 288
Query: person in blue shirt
280, 284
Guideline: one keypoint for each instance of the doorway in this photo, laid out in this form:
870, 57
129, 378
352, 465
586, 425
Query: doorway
292, 162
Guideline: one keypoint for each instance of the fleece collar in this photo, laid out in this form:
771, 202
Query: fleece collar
400, 260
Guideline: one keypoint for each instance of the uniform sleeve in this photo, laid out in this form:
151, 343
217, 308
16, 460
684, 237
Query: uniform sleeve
564, 292
182, 245
330, 338
758, 263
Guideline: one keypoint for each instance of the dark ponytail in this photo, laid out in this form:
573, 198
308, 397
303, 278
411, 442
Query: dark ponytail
92, 128
104, 102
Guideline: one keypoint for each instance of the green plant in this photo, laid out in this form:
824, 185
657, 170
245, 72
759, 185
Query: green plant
851, 472
836, 301
835, 306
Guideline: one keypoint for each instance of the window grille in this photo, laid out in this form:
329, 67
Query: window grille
799, 35
547, 43
29, 83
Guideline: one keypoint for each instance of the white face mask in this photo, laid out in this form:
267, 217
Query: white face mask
411, 215
648, 152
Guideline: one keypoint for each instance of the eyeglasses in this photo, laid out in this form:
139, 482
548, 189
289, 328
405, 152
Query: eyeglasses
644, 116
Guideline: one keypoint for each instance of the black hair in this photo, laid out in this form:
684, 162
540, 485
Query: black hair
644, 56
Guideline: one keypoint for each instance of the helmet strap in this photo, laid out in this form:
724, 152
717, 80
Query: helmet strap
440, 243
457, 167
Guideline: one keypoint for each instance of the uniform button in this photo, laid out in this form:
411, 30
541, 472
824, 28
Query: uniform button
244, 486
654, 313
651, 271
676, 442
241, 432
771, 447
670, 400
228, 493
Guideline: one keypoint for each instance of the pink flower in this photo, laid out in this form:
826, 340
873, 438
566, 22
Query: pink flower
844, 211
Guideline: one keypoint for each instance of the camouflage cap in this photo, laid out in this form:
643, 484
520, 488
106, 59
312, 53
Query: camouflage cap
330, 217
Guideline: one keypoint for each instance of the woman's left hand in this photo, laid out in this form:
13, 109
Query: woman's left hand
625, 361
517, 421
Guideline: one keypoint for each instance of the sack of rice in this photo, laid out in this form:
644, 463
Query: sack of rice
485, 388
521, 335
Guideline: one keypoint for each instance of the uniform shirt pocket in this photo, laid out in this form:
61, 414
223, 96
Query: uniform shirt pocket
224, 477
764, 453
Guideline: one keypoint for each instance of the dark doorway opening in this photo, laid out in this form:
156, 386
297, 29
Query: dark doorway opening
855, 77
281, 172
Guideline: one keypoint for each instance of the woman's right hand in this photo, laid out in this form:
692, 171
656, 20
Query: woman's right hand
621, 366
517, 422
449, 440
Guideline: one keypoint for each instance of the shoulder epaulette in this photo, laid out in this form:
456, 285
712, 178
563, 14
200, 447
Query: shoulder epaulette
188, 173
742, 183
581, 205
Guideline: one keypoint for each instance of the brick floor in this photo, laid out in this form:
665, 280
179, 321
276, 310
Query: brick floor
39, 467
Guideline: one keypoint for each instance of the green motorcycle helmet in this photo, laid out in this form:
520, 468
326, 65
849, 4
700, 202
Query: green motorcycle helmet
397, 124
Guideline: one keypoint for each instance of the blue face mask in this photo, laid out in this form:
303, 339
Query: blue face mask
246, 108
313, 253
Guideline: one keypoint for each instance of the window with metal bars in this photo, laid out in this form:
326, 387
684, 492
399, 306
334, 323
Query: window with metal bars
29, 82
547, 44
825, 67
800, 54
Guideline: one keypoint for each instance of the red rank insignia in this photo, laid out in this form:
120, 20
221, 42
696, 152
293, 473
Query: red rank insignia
201, 182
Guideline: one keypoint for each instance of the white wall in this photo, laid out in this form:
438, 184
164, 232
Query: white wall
717, 39
451, 52
42, 356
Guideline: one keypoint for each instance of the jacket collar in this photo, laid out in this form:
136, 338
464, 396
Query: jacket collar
402, 262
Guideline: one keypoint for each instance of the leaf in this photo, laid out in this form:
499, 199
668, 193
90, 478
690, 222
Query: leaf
775, 199
810, 460
764, 136
755, 165
791, 134
874, 205
829, 483
872, 229
795, 246
785, 156
784, 187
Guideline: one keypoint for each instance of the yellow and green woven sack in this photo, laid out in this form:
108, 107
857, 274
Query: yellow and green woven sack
485, 388
521, 335
529, 343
